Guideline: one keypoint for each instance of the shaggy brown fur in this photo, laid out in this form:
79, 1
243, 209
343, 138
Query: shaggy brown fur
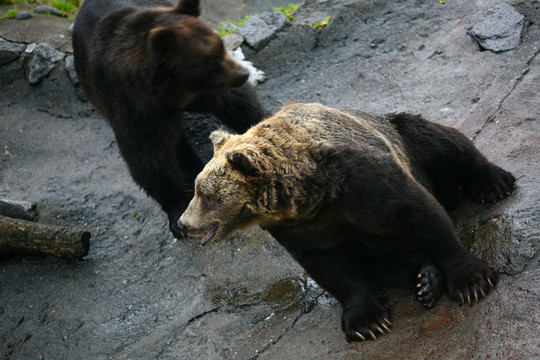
142, 63
354, 197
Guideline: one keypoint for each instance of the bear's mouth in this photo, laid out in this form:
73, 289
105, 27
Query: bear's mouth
209, 234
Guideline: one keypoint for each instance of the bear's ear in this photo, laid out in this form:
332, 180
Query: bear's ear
188, 7
240, 161
219, 137
161, 41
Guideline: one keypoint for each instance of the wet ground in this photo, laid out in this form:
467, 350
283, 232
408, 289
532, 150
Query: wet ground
141, 295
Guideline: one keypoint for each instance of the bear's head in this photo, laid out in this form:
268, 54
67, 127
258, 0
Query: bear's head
187, 52
225, 190
268, 176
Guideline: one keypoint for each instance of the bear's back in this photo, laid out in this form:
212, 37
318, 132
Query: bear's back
357, 130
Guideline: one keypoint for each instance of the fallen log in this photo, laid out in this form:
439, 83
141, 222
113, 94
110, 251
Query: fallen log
26, 237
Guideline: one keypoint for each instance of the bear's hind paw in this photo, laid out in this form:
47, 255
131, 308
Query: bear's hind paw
361, 325
430, 285
473, 287
498, 185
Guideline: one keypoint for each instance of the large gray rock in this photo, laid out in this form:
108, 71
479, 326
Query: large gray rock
47, 9
499, 28
10, 51
259, 30
23, 15
43, 59
70, 69
232, 41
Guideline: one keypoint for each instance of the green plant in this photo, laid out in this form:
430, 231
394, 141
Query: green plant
226, 30
321, 24
66, 6
11, 12
287, 10
223, 29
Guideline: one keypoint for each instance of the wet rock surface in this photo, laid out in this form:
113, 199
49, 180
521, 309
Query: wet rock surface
140, 294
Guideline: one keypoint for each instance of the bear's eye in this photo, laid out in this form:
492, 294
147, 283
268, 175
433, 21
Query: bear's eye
213, 61
207, 201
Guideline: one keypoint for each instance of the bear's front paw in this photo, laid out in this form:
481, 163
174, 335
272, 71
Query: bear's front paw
430, 285
471, 283
497, 185
365, 321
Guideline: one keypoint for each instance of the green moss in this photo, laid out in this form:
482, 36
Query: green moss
321, 24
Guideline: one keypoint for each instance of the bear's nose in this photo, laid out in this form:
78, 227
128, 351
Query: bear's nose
239, 78
182, 228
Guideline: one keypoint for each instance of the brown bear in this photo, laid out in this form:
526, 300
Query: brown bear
142, 63
354, 198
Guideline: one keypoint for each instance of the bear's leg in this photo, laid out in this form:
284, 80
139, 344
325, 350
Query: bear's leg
402, 213
409, 271
163, 163
425, 225
336, 270
452, 162
392, 268
239, 108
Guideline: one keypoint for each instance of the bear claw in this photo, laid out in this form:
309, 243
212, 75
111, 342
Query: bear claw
497, 185
473, 285
368, 330
430, 285
382, 327
360, 336
469, 300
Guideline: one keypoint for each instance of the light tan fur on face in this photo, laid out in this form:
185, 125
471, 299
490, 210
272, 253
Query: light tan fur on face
293, 154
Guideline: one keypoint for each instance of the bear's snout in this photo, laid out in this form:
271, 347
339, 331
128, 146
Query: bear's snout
235, 74
237, 78
183, 228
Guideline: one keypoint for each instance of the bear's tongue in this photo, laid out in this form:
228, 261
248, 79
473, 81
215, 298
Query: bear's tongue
209, 234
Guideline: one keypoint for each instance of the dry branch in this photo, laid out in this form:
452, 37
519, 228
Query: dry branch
21, 236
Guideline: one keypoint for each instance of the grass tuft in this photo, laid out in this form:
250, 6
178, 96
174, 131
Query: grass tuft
321, 24
11, 12
229, 27
66, 6
287, 10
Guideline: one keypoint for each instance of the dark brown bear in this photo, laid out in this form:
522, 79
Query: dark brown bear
142, 63
355, 198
